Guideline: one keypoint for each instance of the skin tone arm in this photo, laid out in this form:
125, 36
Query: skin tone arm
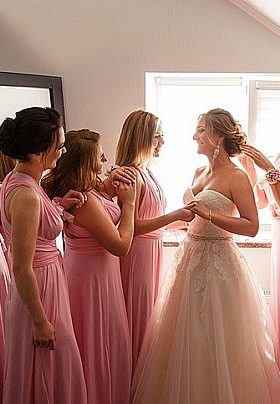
24, 227
263, 162
143, 226
93, 217
243, 197
120, 174
249, 166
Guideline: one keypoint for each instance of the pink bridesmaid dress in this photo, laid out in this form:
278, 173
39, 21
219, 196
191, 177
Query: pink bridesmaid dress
275, 272
3, 295
98, 312
4, 284
5, 277
141, 268
35, 375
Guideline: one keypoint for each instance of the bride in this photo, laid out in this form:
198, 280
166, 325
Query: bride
210, 339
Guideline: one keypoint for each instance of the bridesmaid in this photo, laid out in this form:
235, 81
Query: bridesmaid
268, 193
43, 364
6, 165
97, 235
140, 141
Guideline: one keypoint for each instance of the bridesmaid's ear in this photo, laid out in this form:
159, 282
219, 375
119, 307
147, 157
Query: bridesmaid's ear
36, 157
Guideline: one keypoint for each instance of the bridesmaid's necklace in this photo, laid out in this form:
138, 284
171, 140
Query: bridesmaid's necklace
152, 181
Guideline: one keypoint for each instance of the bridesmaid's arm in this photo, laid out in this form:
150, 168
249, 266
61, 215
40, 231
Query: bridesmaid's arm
120, 174
265, 164
23, 212
93, 217
143, 226
249, 166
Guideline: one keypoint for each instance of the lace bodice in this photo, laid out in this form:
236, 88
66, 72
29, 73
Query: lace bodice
202, 228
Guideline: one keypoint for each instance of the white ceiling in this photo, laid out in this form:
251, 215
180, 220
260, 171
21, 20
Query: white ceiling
267, 12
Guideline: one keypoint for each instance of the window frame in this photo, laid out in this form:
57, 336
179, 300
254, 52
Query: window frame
250, 81
52, 83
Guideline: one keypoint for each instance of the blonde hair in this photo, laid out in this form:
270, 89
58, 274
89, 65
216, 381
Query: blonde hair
136, 139
222, 123
7, 164
78, 168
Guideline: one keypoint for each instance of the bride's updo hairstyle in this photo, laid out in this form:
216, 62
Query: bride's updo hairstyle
222, 123
32, 131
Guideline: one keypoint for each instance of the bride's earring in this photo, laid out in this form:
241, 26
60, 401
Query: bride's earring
216, 152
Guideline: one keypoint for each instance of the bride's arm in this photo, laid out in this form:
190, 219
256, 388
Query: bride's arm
242, 195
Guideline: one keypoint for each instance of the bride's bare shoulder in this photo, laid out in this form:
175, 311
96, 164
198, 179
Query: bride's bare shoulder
237, 172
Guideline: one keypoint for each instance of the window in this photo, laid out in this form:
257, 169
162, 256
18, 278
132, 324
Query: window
19, 90
178, 99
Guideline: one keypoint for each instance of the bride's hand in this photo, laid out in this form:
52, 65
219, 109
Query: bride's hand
199, 208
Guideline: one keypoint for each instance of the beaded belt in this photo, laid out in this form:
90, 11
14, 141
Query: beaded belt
196, 237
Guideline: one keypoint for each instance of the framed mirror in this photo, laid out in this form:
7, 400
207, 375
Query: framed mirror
19, 91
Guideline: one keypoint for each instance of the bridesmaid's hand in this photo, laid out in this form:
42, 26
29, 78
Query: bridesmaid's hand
73, 198
44, 335
247, 163
185, 214
126, 193
122, 174
258, 157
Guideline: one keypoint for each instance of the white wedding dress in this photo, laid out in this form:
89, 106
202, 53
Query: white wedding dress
210, 339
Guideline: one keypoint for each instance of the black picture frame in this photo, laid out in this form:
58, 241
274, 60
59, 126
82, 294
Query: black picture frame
52, 83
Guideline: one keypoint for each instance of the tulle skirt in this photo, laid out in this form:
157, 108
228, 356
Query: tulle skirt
210, 339
275, 278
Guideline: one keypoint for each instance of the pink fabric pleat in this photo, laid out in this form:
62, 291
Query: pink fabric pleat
34, 375
141, 268
99, 315
4, 284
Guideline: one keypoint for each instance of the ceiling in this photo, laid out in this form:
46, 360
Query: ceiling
267, 12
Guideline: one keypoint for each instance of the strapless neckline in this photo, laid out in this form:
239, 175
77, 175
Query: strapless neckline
216, 192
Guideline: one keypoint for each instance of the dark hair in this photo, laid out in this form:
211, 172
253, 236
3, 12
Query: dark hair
78, 168
33, 130
6, 165
222, 122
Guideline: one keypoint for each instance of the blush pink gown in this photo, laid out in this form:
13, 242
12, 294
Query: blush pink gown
34, 375
4, 280
98, 311
141, 268
5, 277
4, 285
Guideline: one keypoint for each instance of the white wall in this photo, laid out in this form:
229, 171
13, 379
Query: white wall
103, 48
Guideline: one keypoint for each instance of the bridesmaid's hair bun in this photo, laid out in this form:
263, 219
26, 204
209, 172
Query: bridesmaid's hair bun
32, 131
7, 131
